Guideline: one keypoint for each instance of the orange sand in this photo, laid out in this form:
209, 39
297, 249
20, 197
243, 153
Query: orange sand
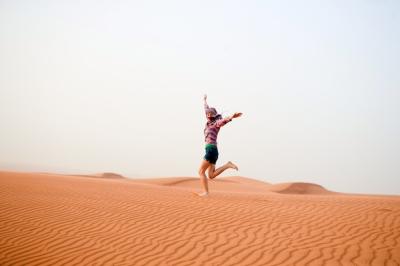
50, 219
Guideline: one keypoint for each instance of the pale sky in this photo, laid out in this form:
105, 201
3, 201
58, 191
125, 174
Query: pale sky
117, 86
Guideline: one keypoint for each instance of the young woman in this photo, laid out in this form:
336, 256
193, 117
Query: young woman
214, 123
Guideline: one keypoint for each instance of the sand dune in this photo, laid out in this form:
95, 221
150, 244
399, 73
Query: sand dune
104, 175
224, 184
299, 188
50, 219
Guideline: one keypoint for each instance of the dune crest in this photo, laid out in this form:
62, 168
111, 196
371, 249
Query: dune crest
110, 175
299, 188
227, 184
107, 175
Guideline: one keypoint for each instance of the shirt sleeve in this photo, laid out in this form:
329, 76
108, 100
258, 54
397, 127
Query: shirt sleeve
222, 122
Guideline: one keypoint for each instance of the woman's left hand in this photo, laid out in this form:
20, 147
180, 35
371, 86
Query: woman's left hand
235, 115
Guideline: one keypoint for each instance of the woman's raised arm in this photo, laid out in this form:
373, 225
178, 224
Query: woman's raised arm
205, 104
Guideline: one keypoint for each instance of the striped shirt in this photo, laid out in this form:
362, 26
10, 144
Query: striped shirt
212, 128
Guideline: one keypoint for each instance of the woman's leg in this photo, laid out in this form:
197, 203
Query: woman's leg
202, 172
213, 173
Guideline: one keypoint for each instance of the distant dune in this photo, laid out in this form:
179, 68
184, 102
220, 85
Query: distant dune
300, 188
104, 175
227, 184
106, 219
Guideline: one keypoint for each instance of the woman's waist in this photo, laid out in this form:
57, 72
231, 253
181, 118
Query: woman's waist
211, 145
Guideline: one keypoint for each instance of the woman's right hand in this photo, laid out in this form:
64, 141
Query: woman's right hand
205, 97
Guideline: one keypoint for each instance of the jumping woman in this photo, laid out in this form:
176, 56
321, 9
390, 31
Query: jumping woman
213, 125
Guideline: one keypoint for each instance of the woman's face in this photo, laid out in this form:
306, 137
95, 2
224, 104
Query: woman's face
209, 115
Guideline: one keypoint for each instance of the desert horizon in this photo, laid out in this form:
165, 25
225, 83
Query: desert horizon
289, 187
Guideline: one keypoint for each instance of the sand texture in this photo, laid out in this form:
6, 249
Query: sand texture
53, 219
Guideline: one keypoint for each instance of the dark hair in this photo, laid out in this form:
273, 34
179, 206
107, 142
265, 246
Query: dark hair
215, 118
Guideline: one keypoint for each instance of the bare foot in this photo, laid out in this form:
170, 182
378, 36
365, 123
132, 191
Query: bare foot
203, 194
233, 166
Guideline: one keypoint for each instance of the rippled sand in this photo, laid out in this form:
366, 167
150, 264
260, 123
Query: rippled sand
51, 219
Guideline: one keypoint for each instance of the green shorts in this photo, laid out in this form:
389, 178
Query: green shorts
211, 153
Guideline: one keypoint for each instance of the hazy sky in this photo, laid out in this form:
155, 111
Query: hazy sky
117, 86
